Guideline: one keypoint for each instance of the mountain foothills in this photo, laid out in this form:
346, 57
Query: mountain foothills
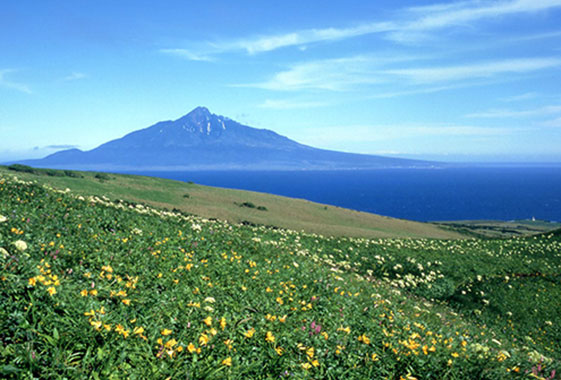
201, 140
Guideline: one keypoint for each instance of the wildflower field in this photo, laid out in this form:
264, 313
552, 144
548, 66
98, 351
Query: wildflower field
106, 289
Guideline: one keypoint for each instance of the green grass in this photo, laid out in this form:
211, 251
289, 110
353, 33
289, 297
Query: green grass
218, 203
500, 229
108, 289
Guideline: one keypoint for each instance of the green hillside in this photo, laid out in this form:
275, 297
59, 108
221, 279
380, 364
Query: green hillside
92, 288
232, 205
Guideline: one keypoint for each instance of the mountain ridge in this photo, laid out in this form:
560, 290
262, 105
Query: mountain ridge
201, 140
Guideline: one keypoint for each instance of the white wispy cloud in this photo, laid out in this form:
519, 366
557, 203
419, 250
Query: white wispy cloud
463, 14
330, 74
539, 36
521, 97
6, 83
260, 44
509, 113
351, 72
554, 123
75, 75
489, 69
423, 90
188, 54
304, 37
409, 24
291, 104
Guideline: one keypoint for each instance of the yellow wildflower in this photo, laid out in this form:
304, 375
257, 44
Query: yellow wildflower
192, 349
107, 268
84, 293
208, 321
345, 329
96, 324
32, 281
165, 332
364, 339
249, 333
223, 323
51, 290
121, 330
203, 339
310, 352
270, 337
227, 362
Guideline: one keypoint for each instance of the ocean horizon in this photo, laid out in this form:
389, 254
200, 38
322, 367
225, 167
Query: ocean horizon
506, 192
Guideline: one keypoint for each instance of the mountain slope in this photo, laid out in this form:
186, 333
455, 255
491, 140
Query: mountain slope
202, 140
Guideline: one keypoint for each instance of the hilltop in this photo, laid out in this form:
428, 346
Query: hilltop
201, 140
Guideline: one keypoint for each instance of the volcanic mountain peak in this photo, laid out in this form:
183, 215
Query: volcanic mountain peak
202, 140
201, 120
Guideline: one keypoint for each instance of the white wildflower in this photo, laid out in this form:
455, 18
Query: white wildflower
20, 245
4, 252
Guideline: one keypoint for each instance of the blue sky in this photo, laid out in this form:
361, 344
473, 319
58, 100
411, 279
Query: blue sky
458, 80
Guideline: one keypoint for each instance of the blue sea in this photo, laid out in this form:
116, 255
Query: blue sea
459, 193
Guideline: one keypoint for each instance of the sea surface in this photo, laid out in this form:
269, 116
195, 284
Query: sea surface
460, 193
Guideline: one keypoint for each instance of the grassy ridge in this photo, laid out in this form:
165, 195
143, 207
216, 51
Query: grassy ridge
97, 289
224, 204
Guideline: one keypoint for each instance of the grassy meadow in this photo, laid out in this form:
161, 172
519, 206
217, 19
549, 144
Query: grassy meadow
228, 204
98, 285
